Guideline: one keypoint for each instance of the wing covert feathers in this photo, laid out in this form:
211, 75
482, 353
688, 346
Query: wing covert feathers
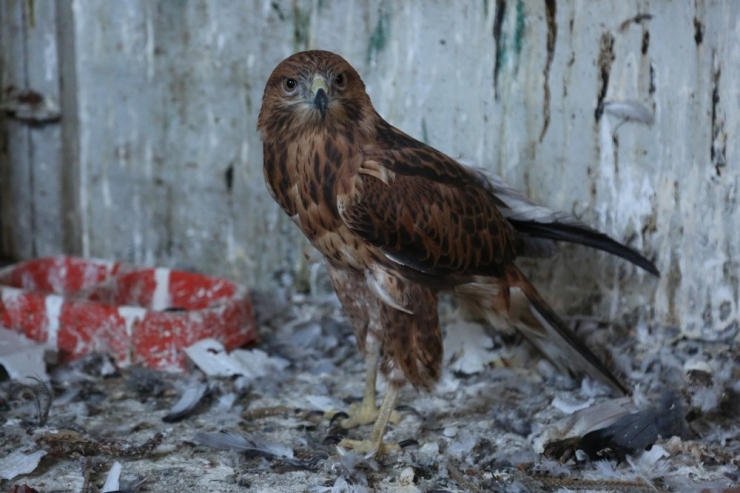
434, 227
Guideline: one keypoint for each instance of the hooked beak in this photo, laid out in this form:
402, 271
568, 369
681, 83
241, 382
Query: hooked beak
320, 98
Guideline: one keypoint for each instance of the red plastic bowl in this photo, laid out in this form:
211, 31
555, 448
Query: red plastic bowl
139, 315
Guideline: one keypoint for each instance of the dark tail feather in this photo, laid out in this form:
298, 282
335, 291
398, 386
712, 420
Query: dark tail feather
546, 330
584, 236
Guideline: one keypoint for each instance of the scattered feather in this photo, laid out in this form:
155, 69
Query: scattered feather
607, 469
95, 365
323, 402
696, 364
226, 402
468, 348
249, 446
707, 398
306, 335
21, 357
593, 388
147, 383
570, 406
353, 467
340, 486
19, 462
634, 432
187, 403
112, 480
42, 397
581, 422
450, 431
323, 367
553, 468
652, 456
462, 445
257, 363
210, 356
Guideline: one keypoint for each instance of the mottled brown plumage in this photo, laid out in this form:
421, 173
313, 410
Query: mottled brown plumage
399, 221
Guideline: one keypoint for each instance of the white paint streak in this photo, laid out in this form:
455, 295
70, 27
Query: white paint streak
53, 305
57, 276
131, 315
50, 55
10, 296
161, 297
150, 59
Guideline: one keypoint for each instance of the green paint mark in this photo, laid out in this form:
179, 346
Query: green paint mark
379, 36
424, 132
485, 8
519, 29
321, 4
502, 54
31, 5
301, 26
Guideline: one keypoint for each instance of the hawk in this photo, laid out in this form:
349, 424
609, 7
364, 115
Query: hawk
398, 222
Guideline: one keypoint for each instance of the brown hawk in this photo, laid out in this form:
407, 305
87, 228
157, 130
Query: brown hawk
398, 222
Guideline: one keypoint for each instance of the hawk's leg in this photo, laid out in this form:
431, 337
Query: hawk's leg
366, 412
374, 444
361, 306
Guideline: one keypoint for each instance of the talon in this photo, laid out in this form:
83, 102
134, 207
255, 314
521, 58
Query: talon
338, 415
333, 439
314, 413
338, 431
409, 409
363, 414
368, 448
410, 442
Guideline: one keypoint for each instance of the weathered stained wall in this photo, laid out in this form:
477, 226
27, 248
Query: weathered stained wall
30, 165
162, 163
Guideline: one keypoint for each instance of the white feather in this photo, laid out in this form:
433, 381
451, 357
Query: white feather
630, 111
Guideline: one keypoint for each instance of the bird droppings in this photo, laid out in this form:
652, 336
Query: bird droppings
476, 432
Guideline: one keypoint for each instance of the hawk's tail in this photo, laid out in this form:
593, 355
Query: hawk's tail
516, 303
576, 232
539, 323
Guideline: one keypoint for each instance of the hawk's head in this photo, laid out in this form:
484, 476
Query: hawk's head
312, 91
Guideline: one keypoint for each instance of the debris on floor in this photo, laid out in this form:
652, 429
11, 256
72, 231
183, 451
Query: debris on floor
498, 421
21, 358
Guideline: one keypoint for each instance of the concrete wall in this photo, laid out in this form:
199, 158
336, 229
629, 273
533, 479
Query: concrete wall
162, 164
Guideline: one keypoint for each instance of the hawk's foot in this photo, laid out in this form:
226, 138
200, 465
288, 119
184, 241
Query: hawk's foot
364, 414
369, 448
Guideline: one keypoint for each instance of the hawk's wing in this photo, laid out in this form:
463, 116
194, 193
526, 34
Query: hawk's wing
425, 211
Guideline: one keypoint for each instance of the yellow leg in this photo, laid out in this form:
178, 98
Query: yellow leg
367, 412
374, 445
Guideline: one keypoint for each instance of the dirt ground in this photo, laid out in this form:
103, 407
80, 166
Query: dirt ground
485, 428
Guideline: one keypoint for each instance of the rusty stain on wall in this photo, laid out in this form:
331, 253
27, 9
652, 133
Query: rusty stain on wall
552, 34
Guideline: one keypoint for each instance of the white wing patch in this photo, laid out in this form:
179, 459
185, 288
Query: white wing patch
376, 280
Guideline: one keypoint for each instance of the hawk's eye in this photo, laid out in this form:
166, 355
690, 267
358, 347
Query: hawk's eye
339, 80
289, 85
